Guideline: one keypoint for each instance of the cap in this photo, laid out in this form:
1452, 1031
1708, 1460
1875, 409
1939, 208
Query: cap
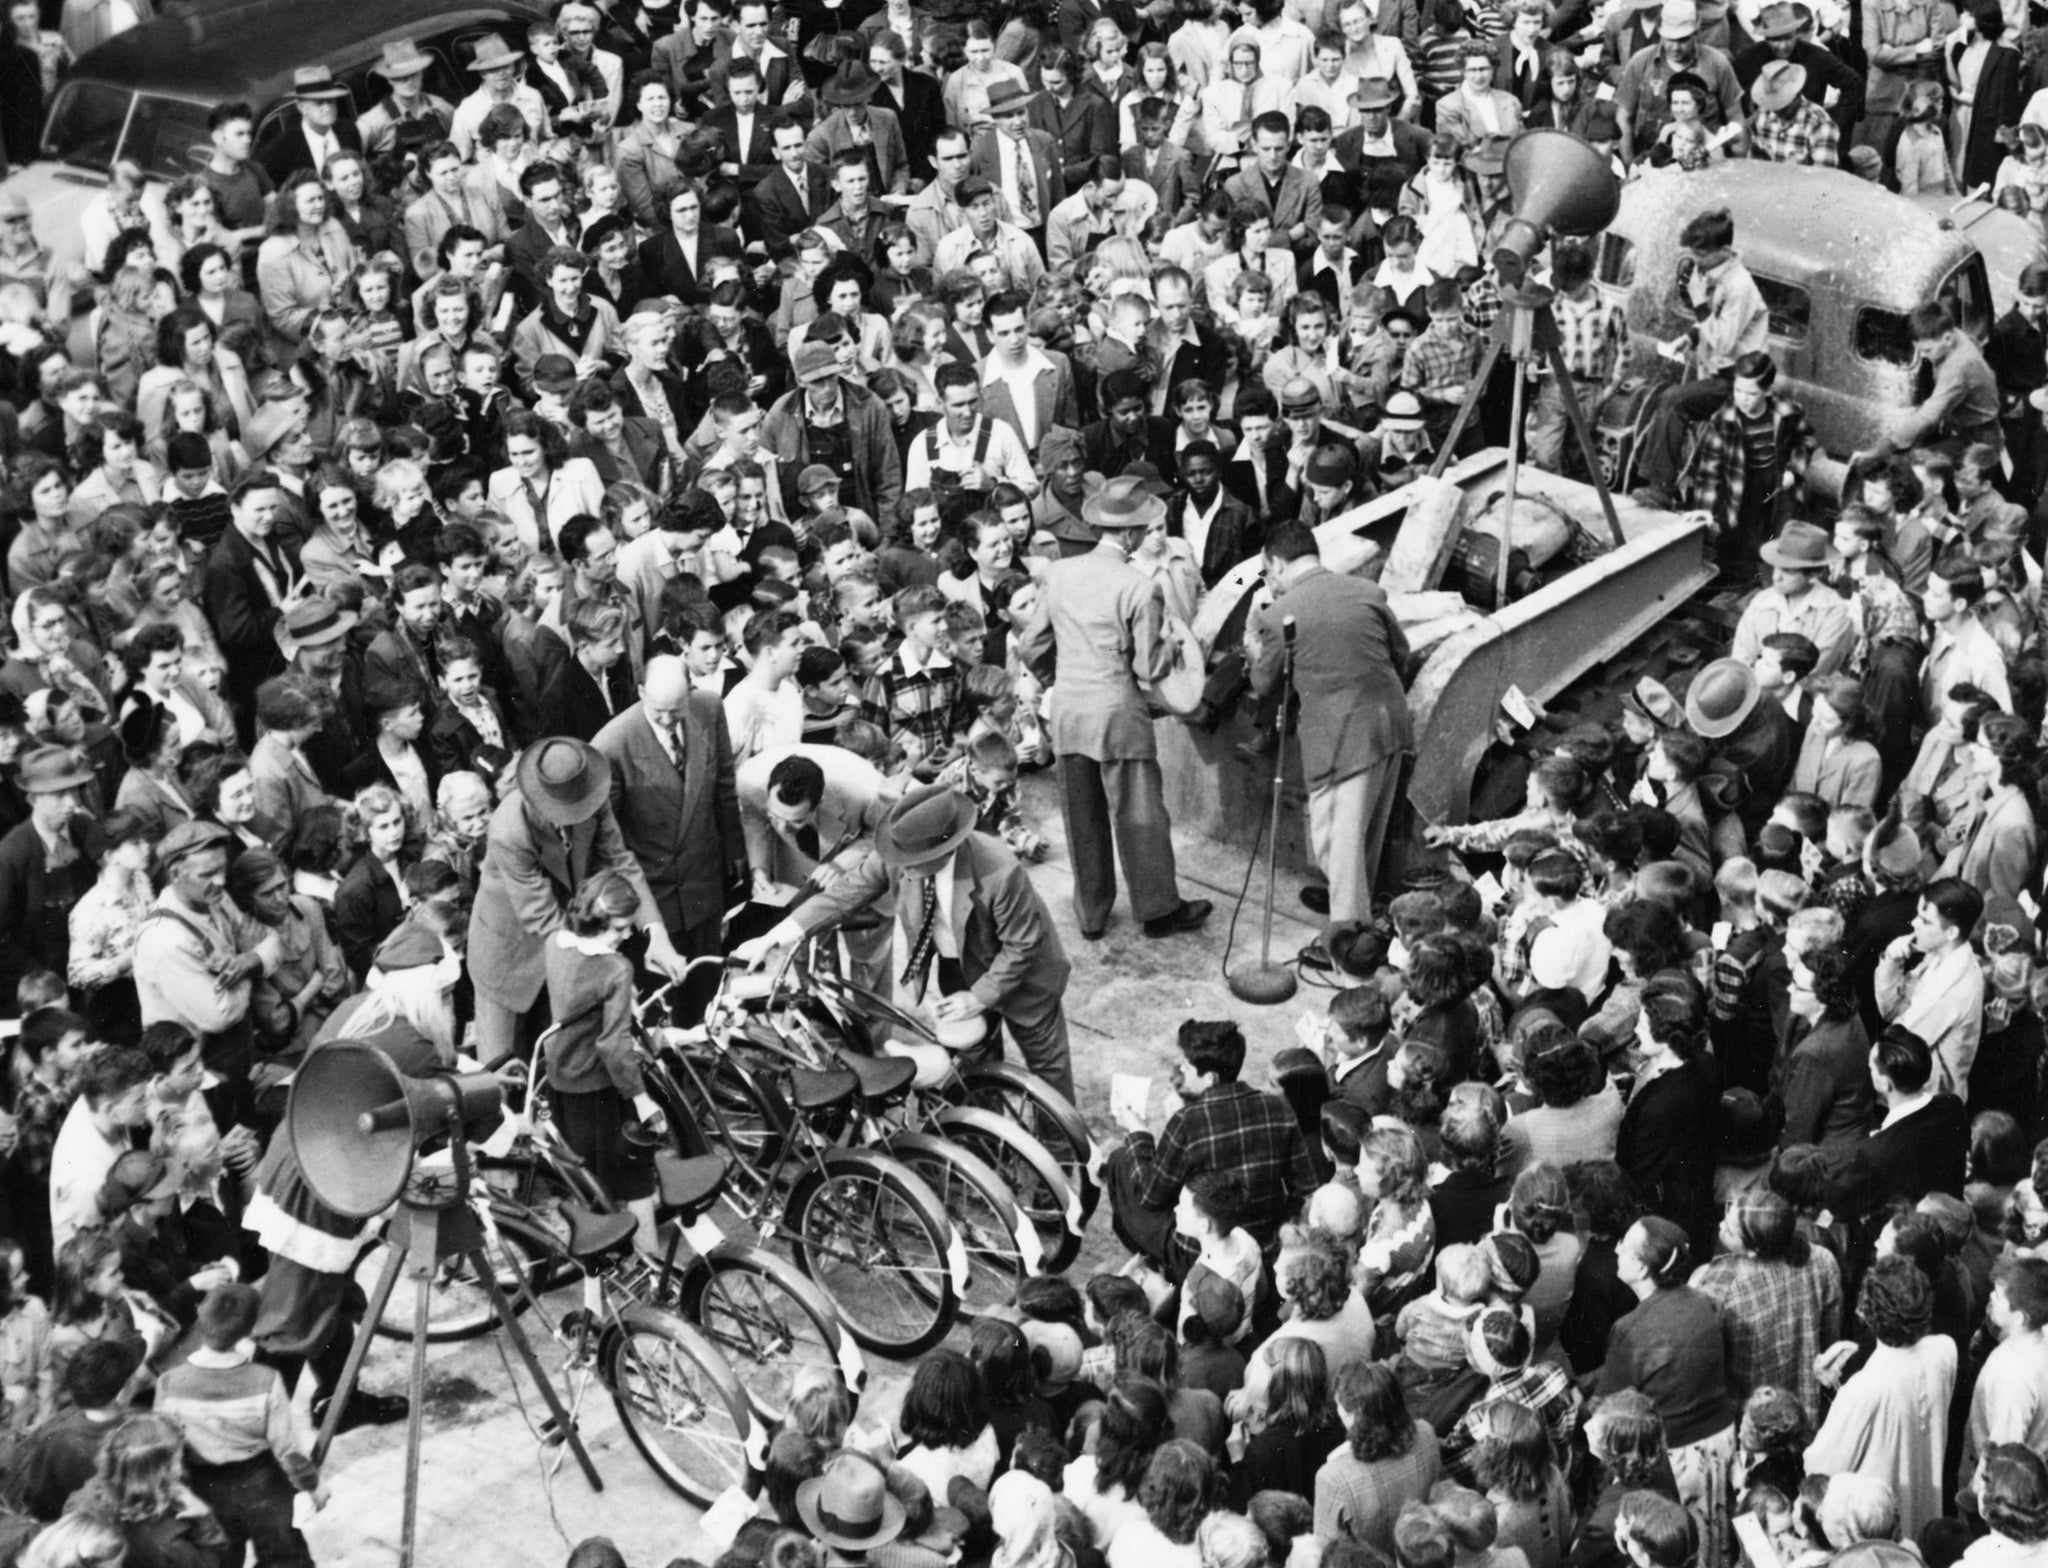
972, 189
816, 476
1679, 19
410, 946
189, 838
554, 374
814, 362
14, 205
1333, 465
1219, 1304
139, 1176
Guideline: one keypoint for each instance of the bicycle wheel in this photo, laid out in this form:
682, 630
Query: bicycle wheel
874, 1239
679, 1402
519, 1248
1002, 1247
1028, 1101
1029, 1172
770, 1323
537, 1188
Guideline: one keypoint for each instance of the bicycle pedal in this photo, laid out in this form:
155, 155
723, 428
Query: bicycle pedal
553, 1434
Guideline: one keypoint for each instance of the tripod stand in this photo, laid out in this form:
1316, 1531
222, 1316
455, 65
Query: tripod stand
423, 1237
1266, 984
1526, 332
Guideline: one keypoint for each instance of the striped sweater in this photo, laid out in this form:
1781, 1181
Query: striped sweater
231, 1409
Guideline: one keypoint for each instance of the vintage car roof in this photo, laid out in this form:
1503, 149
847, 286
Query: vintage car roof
215, 53
1798, 224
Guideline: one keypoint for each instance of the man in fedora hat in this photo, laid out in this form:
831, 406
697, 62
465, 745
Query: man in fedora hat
1022, 164
829, 420
1380, 140
1788, 126
407, 110
496, 65
1799, 600
1356, 734
551, 835
1754, 742
965, 908
849, 1507
311, 132
46, 865
858, 124
1099, 629
1784, 31
312, 639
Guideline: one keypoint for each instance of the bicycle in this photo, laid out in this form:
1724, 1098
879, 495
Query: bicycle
765, 1317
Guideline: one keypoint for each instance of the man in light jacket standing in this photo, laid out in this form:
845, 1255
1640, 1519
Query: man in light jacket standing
1101, 624
1356, 734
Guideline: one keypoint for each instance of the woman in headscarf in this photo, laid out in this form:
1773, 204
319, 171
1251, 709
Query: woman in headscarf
1057, 508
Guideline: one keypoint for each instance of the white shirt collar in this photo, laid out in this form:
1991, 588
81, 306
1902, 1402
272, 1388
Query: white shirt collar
1906, 1107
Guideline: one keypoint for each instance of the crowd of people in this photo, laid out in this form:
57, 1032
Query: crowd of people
460, 551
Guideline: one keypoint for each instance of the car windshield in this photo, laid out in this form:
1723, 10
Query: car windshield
93, 121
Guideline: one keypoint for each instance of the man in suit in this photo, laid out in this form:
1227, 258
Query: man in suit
1127, 432
1022, 164
618, 446
782, 83
1220, 529
546, 840
548, 227
251, 579
1294, 199
1029, 389
1923, 1143
674, 259
1101, 621
45, 867
1080, 121
311, 133
965, 908
746, 129
810, 813
672, 792
786, 201
1356, 734
857, 125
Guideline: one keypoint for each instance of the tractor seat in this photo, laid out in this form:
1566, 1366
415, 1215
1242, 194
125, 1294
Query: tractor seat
822, 1091
883, 1080
592, 1235
690, 1186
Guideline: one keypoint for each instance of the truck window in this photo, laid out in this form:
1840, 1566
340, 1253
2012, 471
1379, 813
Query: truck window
1883, 337
86, 122
1790, 306
1968, 297
1615, 264
164, 135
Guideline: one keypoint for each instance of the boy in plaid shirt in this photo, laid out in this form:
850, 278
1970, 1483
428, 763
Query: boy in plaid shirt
911, 697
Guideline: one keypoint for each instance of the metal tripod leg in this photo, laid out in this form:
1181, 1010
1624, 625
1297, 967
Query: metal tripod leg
358, 1352
517, 1335
1584, 432
1477, 390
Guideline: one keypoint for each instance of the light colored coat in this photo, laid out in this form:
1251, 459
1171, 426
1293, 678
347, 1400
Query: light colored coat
1846, 776
683, 837
1105, 619
1348, 654
853, 804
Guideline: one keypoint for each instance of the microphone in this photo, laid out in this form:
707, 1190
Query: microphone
1287, 630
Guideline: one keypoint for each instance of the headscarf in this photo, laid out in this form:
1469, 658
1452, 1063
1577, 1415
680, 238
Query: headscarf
1022, 1512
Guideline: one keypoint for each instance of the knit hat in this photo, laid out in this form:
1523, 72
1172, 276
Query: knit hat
411, 946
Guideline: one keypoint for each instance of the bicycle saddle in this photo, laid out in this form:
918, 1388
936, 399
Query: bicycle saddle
882, 1079
687, 1186
592, 1235
822, 1091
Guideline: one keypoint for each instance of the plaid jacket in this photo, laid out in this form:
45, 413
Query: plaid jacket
915, 710
1714, 480
1232, 1127
1543, 1387
1780, 1316
1443, 354
1806, 135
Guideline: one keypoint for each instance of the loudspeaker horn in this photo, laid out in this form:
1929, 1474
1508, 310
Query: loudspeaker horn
355, 1122
1558, 185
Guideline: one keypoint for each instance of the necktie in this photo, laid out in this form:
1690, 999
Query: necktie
806, 838
537, 499
917, 973
671, 742
1027, 188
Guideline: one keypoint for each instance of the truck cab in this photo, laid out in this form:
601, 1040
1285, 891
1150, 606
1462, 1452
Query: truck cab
1840, 262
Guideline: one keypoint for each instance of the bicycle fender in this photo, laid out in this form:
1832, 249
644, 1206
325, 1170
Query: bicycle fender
870, 1163
754, 1436
1010, 1073
853, 1366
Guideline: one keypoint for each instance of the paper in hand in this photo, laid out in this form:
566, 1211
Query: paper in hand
1128, 1094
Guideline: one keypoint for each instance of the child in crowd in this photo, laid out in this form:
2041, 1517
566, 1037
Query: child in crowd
1207, 1215
1209, 1353
1432, 1329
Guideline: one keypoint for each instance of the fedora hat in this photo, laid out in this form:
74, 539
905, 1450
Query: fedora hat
1488, 156
1125, 502
48, 769
269, 425
494, 53
313, 622
1800, 547
852, 83
1301, 395
815, 361
1652, 700
1009, 98
1721, 696
1374, 92
1678, 19
401, 60
1778, 85
849, 1506
924, 827
139, 1176
1403, 412
1778, 20
316, 81
563, 781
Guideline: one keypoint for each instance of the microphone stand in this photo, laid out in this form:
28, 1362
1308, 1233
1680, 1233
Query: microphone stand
1266, 984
